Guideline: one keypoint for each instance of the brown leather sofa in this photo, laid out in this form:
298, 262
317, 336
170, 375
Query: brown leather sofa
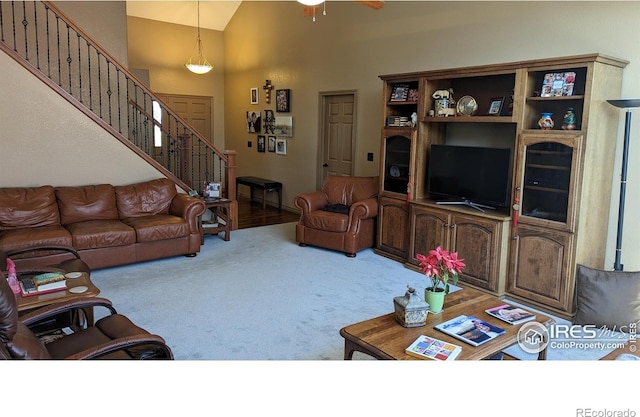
107, 225
341, 216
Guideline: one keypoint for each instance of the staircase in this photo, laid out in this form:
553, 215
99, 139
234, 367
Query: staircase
48, 44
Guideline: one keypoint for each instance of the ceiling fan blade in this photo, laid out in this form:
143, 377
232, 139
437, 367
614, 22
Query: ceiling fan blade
376, 5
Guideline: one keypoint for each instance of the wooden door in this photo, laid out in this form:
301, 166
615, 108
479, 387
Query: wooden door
196, 111
393, 222
478, 241
542, 266
429, 229
338, 135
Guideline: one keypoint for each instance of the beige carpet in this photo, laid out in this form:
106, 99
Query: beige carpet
262, 297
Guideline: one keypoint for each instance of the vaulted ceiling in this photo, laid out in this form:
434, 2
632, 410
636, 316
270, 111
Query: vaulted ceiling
214, 14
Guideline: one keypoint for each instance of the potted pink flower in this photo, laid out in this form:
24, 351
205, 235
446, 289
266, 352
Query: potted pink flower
440, 266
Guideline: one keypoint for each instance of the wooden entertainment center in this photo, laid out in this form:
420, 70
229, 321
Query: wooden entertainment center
560, 179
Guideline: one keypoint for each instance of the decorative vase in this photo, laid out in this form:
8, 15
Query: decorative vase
546, 121
435, 299
569, 120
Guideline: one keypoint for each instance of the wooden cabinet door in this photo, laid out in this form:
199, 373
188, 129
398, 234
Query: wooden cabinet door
393, 223
542, 266
478, 241
548, 178
429, 229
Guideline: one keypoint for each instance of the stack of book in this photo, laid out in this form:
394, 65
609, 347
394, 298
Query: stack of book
398, 121
43, 283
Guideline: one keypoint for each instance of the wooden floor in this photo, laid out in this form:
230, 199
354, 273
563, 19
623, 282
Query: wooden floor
251, 214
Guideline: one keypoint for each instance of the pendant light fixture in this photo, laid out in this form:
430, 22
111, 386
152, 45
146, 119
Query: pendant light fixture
200, 65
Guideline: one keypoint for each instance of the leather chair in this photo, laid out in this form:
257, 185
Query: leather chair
112, 337
341, 216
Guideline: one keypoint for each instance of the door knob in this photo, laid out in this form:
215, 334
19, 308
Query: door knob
325, 165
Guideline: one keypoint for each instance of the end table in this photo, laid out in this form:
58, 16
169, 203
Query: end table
220, 209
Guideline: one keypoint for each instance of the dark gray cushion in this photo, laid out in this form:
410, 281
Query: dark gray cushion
607, 298
336, 208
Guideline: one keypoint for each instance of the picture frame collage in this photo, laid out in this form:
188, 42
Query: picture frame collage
272, 130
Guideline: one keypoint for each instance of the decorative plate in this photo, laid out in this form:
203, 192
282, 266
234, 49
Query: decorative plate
467, 106
394, 171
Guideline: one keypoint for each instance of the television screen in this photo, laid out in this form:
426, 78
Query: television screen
476, 176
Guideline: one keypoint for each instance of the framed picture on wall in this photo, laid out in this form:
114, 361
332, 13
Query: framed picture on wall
283, 126
283, 101
261, 143
272, 143
281, 146
253, 121
254, 95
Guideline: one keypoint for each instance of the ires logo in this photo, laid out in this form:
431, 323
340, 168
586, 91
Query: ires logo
534, 337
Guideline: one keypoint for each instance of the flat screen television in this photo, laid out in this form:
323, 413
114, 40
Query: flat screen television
479, 177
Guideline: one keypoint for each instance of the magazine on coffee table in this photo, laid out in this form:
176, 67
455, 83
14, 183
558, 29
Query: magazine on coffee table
425, 347
470, 329
511, 314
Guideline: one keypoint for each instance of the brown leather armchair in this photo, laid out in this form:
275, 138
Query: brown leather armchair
112, 337
341, 216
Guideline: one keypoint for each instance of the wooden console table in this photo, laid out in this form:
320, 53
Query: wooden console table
220, 209
262, 184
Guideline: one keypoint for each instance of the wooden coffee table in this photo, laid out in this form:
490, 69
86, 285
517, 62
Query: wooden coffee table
383, 338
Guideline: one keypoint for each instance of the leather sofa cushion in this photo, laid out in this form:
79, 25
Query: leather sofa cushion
324, 220
158, 227
91, 202
28, 207
35, 236
349, 190
87, 339
94, 234
143, 199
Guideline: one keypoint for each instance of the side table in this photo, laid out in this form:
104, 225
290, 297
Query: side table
86, 288
220, 209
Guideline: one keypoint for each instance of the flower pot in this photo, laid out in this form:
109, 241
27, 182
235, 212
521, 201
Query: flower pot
434, 298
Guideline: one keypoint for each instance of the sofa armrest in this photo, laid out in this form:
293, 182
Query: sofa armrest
362, 210
189, 208
309, 202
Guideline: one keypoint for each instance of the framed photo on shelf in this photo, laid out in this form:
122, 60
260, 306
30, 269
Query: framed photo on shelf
254, 95
399, 93
261, 143
272, 143
281, 146
414, 95
558, 84
283, 101
495, 106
